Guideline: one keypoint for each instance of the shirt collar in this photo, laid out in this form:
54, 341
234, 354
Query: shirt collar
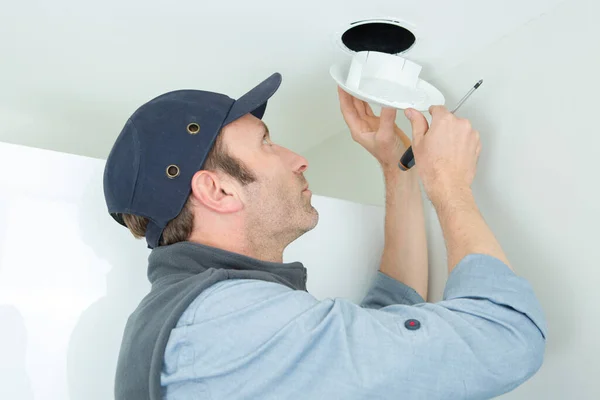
194, 258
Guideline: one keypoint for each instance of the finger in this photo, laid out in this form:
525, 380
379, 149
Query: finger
387, 119
438, 111
369, 110
348, 110
476, 142
405, 139
360, 107
345, 99
419, 124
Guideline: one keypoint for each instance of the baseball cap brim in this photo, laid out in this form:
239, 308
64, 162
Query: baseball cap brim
255, 101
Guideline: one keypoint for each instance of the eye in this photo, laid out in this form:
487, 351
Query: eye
267, 140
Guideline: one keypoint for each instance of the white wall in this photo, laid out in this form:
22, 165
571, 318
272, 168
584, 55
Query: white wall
73, 72
70, 276
537, 182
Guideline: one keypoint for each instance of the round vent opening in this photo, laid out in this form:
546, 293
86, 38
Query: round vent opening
384, 36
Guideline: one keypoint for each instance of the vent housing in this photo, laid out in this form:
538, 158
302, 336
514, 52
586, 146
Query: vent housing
381, 35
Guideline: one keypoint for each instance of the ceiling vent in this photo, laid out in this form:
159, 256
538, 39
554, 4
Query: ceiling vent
381, 35
379, 71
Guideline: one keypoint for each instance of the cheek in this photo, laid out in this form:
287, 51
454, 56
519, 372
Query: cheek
274, 188
278, 191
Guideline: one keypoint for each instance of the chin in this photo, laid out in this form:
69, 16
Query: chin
314, 219
308, 222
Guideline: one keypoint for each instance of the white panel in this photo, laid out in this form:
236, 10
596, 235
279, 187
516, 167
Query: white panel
342, 253
70, 276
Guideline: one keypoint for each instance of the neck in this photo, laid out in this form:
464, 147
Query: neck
258, 248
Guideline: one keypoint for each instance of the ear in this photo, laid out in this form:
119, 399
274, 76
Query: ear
216, 192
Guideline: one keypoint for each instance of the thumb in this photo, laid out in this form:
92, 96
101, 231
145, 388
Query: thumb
419, 124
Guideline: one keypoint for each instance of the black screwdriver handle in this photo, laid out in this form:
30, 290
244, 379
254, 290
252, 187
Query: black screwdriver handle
407, 161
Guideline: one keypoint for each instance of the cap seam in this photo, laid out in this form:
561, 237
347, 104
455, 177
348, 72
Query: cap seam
137, 167
227, 114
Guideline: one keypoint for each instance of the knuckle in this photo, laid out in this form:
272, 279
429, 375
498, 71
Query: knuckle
465, 124
439, 111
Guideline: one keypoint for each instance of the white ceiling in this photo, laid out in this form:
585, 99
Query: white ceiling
73, 72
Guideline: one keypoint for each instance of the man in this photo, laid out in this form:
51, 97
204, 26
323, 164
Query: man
197, 174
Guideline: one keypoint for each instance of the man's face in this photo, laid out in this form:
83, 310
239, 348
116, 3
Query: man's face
277, 204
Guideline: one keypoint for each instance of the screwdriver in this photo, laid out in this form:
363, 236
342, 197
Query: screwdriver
407, 161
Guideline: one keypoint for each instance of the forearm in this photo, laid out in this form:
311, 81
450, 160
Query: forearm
465, 230
405, 249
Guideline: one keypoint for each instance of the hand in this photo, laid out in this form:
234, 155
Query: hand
445, 157
379, 135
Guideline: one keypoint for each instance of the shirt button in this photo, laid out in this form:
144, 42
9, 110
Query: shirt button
412, 324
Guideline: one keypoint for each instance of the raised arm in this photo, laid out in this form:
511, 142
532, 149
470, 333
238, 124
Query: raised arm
446, 158
405, 250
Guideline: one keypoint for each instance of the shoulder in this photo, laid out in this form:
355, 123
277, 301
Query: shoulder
233, 295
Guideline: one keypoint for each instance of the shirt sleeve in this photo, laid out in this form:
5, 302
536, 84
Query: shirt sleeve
387, 291
485, 338
483, 277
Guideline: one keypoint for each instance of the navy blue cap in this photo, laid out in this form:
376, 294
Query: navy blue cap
163, 144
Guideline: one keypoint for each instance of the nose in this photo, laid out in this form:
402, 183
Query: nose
299, 163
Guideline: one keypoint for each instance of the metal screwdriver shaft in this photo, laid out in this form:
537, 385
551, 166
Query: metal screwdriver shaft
460, 103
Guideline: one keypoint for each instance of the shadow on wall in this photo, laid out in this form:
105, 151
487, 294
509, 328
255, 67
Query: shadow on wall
14, 381
96, 339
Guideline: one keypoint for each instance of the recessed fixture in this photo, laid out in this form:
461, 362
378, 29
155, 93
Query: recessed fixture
381, 35
379, 71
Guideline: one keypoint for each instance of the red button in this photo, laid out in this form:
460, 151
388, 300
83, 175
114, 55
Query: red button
412, 324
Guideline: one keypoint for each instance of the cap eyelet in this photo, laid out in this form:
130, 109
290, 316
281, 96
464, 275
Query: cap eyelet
193, 128
172, 171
